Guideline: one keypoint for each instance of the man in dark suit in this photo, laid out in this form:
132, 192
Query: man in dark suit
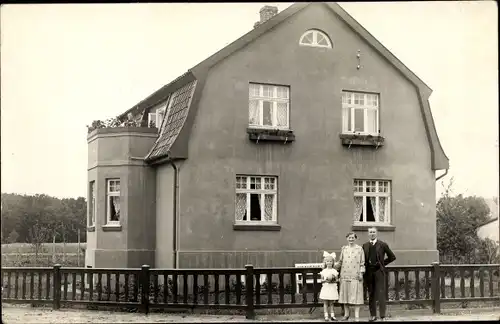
375, 273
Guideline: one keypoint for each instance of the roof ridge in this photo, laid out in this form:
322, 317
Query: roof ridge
439, 160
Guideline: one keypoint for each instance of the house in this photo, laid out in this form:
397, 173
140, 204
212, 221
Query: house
270, 151
491, 228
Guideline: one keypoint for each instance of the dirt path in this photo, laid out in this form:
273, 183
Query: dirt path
27, 314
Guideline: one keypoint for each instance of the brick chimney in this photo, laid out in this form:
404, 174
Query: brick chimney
266, 13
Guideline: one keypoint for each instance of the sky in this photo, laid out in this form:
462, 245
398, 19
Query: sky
65, 65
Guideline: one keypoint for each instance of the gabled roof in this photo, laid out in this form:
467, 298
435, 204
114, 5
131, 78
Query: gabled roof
200, 71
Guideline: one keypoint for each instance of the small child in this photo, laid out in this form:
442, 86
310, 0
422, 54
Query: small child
329, 291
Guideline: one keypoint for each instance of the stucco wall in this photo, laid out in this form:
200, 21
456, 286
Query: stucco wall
315, 173
116, 153
164, 216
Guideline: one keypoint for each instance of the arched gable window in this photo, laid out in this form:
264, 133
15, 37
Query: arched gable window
315, 38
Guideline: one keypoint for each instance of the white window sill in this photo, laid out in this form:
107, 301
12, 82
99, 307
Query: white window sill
363, 226
256, 226
281, 128
112, 227
360, 134
362, 139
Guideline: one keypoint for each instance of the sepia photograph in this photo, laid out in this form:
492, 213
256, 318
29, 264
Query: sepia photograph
247, 162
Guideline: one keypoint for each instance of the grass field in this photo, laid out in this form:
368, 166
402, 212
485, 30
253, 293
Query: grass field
46, 247
23, 255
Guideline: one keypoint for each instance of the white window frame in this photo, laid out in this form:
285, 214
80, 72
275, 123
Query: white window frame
92, 204
364, 194
262, 192
274, 101
160, 114
315, 43
109, 194
351, 107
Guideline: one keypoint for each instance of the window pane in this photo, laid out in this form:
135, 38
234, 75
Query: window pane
282, 114
152, 119
322, 40
268, 207
253, 112
372, 100
255, 183
359, 99
254, 90
241, 206
370, 209
283, 92
269, 183
241, 182
346, 119
267, 113
114, 208
382, 206
91, 203
255, 207
94, 209
359, 120
308, 38
268, 91
346, 98
160, 119
372, 121
358, 209
371, 186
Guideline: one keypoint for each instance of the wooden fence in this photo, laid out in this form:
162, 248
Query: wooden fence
240, 289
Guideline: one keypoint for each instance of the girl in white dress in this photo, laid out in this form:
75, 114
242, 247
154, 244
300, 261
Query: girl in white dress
329, 291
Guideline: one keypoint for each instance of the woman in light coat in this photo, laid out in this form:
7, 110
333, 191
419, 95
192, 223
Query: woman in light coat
352, 267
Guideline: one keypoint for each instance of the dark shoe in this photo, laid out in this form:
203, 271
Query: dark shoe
372, 319
345, 318
333, 319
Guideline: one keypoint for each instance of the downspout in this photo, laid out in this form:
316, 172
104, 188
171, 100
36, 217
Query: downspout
445, 173
176, 188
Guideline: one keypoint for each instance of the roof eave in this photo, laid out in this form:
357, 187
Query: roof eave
250, 36
160, 94
373, 42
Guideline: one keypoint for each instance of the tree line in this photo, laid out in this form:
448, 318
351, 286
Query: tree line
38, 218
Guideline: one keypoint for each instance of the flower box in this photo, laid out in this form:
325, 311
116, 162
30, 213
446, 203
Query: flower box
270, 135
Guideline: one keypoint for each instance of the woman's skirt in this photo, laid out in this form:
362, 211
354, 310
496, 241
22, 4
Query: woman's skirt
351, 292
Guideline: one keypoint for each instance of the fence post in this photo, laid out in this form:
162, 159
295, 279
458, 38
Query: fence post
145, 289
56, 293
436, 294
250, 312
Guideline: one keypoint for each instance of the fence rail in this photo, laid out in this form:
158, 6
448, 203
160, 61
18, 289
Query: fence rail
241, 289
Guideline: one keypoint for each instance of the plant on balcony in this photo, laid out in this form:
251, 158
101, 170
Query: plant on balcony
127, 121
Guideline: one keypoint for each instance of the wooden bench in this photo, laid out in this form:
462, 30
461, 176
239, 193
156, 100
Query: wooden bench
309, 275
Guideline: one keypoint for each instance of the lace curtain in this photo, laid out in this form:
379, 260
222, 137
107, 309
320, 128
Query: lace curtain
116, 207
381, 211
267, 205
254, 112
358, 208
